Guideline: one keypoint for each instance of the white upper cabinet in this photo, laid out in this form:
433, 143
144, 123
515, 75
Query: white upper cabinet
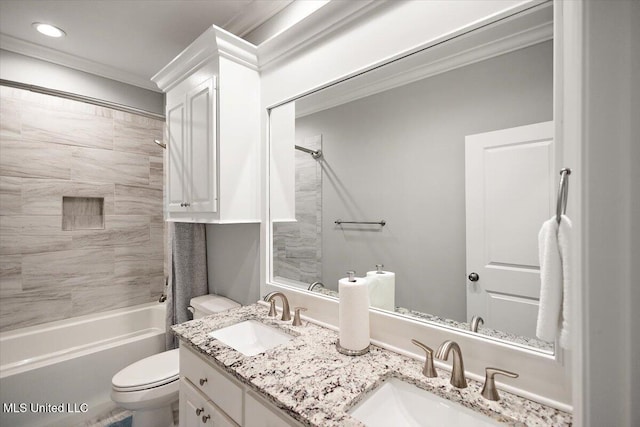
213, 122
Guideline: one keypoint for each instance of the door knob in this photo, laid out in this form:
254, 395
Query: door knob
474, 277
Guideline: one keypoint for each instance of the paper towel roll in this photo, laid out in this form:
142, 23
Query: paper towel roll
354, 314
382, 289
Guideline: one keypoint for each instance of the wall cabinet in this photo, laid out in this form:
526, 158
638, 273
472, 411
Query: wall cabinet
213, 125
191, 176
209, 396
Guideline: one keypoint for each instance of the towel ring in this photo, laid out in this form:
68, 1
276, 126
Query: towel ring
563, 193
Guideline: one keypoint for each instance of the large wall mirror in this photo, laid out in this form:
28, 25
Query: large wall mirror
439, 166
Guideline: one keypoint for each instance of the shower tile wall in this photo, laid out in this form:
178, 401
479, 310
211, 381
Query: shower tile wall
298, 245
50, 148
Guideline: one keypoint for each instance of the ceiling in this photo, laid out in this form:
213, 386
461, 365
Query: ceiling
126, 40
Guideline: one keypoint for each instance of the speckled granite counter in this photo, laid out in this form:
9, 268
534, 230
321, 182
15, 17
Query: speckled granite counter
308, 379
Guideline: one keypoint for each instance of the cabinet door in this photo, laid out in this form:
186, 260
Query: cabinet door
201, 102
177, 176
259, 413
197, 411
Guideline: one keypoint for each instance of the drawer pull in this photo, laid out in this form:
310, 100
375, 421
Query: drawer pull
202, 381
205, 418
199, 411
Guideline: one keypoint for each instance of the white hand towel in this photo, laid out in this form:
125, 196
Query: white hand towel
564, 244
550, 281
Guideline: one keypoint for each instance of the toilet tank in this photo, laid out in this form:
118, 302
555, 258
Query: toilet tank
208, 304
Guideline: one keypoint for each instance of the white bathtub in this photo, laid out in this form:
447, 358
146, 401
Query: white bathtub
67, 365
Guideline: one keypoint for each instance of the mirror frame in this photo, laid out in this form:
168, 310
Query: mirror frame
390, 330
503, 36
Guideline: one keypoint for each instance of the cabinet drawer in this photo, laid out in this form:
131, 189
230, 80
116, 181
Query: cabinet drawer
218, 386
197, 411
260, 413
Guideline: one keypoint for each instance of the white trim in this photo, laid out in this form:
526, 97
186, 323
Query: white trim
327, 19
253, 15
211, 44
33, 50
457, 60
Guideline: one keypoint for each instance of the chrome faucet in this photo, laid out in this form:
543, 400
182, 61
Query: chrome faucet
270, 298
475, 322
457, 371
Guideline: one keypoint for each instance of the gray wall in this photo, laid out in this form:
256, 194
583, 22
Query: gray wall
32, 71
399, 156
233, 261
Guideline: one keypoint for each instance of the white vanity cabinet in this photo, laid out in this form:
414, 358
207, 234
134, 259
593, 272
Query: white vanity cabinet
211, 397
213, 131
196, 410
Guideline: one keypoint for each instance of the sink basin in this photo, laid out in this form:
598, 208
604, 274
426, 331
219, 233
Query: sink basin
251, 337
397, 403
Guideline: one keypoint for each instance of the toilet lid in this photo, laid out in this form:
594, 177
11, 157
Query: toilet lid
152, 371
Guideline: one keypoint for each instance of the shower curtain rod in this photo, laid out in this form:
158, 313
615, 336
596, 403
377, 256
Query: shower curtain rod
81, 98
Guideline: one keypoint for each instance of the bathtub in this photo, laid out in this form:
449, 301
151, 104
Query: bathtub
59, 373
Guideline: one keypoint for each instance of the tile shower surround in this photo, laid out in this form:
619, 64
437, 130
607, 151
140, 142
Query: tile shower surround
297, 246
52, 147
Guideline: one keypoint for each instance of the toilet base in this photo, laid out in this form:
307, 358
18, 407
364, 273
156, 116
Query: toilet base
156, 417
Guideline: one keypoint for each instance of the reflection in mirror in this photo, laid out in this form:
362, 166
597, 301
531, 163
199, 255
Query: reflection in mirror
451, 174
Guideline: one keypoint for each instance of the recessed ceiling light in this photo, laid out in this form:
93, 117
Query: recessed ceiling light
48, 29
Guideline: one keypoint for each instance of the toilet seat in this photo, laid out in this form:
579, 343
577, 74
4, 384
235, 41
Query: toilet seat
150, 372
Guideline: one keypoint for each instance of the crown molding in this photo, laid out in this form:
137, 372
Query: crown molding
327, 19
208, 46
493, 48
253, 15
33, 50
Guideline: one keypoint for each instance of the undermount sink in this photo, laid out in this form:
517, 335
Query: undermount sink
251, 337
397, 403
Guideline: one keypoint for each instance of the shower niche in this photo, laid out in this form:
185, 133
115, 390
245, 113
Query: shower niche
82, 213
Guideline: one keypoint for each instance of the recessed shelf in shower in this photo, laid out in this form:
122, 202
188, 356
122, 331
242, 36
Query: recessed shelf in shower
82, 213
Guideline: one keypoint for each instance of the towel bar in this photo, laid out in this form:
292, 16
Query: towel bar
563, 193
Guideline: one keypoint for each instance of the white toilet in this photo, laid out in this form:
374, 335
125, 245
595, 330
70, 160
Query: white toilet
149, 386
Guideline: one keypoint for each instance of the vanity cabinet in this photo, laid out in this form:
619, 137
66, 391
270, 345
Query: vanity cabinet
209, 396
196, 410
260, 413
213, 131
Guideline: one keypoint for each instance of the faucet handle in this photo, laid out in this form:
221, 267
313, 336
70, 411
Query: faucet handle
489, 390
296, 316
429, 369
272, 308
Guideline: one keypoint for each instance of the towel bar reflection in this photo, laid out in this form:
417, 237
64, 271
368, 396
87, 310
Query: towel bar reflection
381, 223
563, 193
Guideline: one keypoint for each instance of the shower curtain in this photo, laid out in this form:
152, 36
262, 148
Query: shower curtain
187, 272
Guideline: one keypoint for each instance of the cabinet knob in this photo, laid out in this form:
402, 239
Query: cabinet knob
205, 418
474, 277
187, 205
182, 205
203, 381
199, 411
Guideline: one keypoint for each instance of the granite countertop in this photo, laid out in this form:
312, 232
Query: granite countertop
308, 379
